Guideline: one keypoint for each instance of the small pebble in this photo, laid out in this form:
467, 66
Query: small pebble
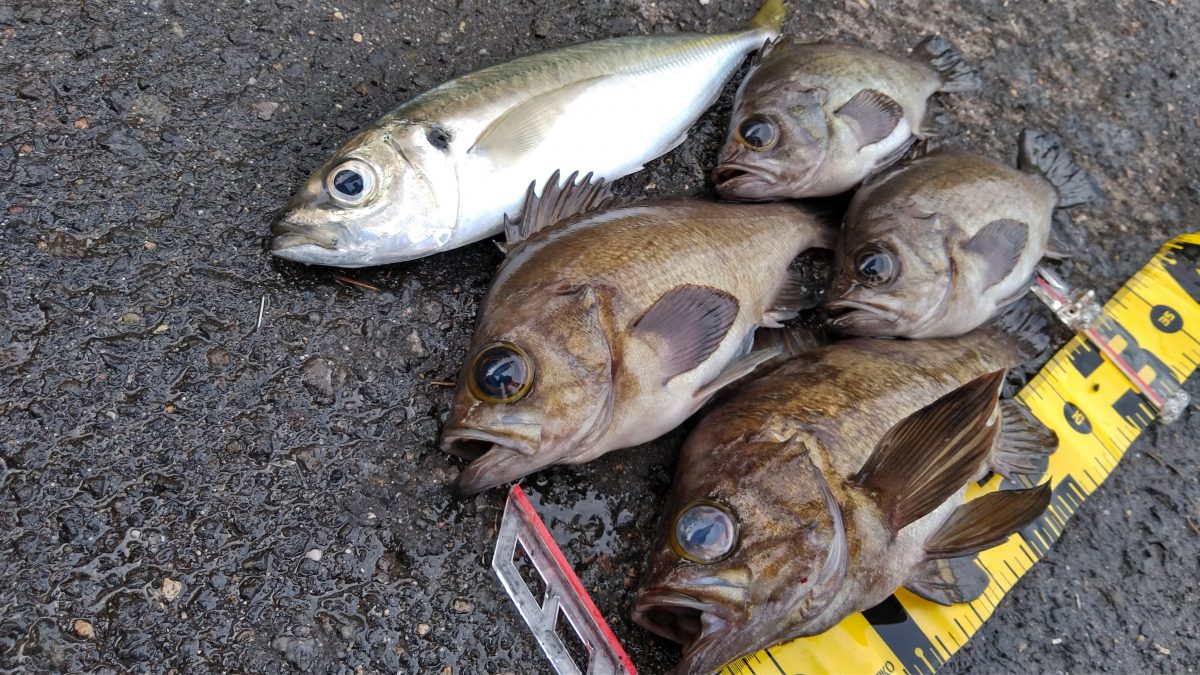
81, 123
83, 628
130, 319
161, 328
314, 555
463, 606
264, 110
1056, 641
25, 149
443, 38
422, 629
357, 37
1162, 650
171, 588
149, 246
338, 16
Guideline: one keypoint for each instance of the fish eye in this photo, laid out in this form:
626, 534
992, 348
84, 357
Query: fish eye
874, 265
757, 133
501, 373
705, 531
351, 182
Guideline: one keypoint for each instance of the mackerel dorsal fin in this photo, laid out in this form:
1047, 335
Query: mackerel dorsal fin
926, 457
556, 203
987, 521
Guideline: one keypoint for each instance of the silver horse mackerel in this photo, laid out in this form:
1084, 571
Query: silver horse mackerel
442, 170
818, 489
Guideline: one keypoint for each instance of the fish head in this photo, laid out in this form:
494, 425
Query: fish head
894, 274
534, 391
778, 141
387, 195
752, 552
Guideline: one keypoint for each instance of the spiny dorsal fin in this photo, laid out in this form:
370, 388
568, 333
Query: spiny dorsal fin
873, 115
692, 320
1045, 155
987, 521
999, 245
556, 204
947, 581
926, 457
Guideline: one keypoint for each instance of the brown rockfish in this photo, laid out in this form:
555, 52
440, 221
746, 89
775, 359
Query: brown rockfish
609, 329
812, 120
938, 246
818, 489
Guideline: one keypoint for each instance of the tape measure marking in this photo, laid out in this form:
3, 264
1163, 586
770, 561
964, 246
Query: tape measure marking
1150, 325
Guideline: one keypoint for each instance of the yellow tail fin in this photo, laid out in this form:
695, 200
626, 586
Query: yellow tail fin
770, 16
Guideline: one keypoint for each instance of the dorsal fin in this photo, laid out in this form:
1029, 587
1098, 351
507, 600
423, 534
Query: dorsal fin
556, 204
926, 457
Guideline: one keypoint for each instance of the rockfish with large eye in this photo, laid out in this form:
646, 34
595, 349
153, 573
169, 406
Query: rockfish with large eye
442, 170
813, 120
611, 327
937, 247
817, 490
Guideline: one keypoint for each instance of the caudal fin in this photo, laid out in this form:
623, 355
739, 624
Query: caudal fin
770, 17
1045, 155
950, 64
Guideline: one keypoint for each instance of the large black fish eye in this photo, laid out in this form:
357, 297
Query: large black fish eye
874, 265
705, 531
501, 373
757, 133
351, 182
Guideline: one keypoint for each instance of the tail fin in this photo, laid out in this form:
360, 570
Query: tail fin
1045, 155
770, 17
951, 66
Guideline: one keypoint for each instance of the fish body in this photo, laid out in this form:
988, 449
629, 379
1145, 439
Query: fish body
623, 322
442, 170
818, 489
939, 246
813, 120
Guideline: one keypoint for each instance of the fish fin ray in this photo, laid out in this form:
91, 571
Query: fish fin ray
741, 367
1000, 244
956, 74
790, 340
1024, 445
557, 203
693, 321
524, 126
947, 581
872, 115
1047, 156
901, 152
987, 521
796, 294
928, 456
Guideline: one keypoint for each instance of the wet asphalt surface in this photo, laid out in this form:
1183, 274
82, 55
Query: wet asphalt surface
212, 460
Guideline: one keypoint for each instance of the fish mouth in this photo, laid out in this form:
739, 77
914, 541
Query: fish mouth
844, 314
743, 182
495, 459
290, 235
696, 624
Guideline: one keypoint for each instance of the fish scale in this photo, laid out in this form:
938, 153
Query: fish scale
1096, 412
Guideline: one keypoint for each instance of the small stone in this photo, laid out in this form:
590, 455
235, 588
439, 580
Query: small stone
170, 408
414, 345
161, 328
130, 319
361, 88
264, 110
171, 588
357, 37
422, 629
218, 357
80, 123
30, 90
1162, 650
25, 149
447, 669
542, 27
83, 628
463, 606
338, 16
314, 554
1022, 646
443, 38
149, 246
1056, 641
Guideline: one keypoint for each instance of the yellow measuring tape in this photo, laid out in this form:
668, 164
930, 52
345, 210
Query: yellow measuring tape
1098, 409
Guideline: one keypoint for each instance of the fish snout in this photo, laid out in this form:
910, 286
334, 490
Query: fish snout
288, 234
496, 458
743, 182
701, 626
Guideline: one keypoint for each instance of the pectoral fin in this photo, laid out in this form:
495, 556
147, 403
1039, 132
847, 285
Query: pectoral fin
872, 115
1024, 445
692, 321
741, 367
524, 126
947, 581
928, 456
987, 521
999, 246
